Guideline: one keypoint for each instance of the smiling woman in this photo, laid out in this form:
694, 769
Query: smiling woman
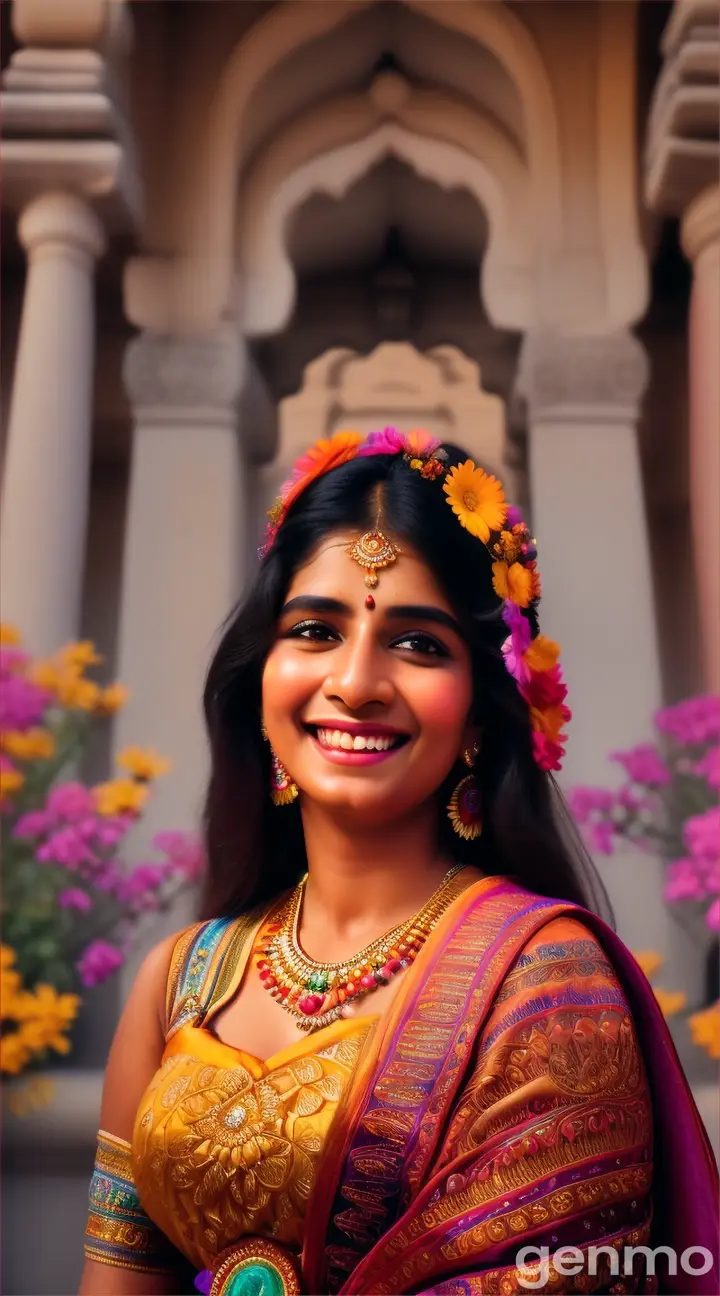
391, 873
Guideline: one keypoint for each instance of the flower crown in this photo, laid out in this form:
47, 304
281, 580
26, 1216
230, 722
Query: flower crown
479, 503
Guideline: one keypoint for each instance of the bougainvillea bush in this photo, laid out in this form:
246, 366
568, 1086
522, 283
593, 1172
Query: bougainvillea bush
70, 903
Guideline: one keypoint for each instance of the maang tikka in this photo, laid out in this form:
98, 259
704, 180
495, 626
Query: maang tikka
283, 790
465, 805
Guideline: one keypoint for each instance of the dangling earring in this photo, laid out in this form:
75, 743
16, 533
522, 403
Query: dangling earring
464, 809
283, 791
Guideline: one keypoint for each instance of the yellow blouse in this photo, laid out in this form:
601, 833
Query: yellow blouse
225, 1145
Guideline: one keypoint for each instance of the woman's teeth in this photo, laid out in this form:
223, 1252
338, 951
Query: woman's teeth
359, 742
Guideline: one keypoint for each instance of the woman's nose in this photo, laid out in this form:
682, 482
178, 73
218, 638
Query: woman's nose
359, 676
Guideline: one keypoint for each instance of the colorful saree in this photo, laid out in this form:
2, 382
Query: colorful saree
522, 1096
505, 1106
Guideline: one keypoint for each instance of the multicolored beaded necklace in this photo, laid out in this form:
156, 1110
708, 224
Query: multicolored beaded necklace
318, 993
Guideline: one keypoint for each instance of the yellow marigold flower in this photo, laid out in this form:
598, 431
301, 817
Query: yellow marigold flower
14, 1054
9, 636
476, 498
78, 656
46, 1002
649, 961
77, 693
10, 981
513, 582
36, 1092
120, 796
670, 1001
29, 744
112, 699
542, 653
11, 780
45, 675
705, 1027
143, 763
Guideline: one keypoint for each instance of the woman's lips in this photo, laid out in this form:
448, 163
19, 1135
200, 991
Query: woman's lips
343, 756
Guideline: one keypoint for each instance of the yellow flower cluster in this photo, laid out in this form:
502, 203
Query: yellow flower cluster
670, 1001
64, 677
705, 1028
41, 1017
128, 795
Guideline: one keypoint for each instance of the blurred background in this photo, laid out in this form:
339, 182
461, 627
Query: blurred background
233, 226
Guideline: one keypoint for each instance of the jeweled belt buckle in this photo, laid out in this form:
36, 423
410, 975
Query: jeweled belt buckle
254, 1268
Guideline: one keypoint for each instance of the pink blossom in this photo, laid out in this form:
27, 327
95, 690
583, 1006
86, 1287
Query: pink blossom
514, 516
517, 642
98, 962
33, 824
110, 831
702, 834
22, 703
12, 660
643, 764
75, 898
185, 854
694, 721
138, 888
69, 803
601, 837
585, 801
391, 441
67, 847
548, 754
709, 767
683, 882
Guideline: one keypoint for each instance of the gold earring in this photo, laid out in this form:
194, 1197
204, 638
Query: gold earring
465, 805
283, 789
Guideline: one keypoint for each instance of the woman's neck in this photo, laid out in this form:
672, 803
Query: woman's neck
364, 881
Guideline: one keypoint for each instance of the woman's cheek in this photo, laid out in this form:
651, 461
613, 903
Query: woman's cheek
441, 706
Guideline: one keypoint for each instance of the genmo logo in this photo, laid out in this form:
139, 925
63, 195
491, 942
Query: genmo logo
534, 1263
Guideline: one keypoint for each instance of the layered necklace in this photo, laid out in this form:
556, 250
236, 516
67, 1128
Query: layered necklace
318, 993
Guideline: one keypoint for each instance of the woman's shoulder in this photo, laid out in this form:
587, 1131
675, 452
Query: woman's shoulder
203, 956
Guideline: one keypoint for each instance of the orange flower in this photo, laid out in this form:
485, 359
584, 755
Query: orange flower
120, 796
513, 582
476, 498
669, 1001
420, 442
542, 654
705, 1028
143, 764
549, 721
649, 961
9, 636
112, 699
327, 453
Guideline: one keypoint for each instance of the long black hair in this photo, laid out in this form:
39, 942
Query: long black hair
256, 850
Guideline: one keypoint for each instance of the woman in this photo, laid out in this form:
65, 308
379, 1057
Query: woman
473, 1084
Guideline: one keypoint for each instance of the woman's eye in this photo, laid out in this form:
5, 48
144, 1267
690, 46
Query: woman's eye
315, 631
422, 643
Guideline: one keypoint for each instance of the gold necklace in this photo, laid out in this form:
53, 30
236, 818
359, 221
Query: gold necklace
318, 993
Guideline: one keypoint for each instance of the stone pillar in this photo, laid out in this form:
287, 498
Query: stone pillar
701, 244
45, 495
583, 396
184, 555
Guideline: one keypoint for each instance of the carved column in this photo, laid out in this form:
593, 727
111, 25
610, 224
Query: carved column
184, 552
588, 514
45, 494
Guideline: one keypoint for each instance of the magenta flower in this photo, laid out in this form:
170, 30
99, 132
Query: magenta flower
585, 801
548, 755
643, 764
33, 824
22, 703
683, 882
702, 834
185, 854
69, 803
138, 888
12, 660
109, 832
75, 898
67, 847
695, 721
98, 962
602, 837
514, 516
517, 642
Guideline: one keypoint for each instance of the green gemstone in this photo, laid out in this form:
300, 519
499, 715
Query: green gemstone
318, 982
256, 1279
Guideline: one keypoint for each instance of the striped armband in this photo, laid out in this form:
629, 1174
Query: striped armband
118, 1231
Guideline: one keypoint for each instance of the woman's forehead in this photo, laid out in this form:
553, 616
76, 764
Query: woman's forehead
331, 571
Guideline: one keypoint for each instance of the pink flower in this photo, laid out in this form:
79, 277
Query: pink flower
22, 703
12, 660
75, 898
683, 882
695, 721
390, 441
98, 962
548, 754
69, 803
709, 767
66, 846
643, 765
138, 888
185, 855
110, 831
701, 834
601, 837
517, 642
585, 801
33, 824
514, 516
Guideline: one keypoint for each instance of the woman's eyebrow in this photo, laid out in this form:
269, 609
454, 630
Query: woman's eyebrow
404, 611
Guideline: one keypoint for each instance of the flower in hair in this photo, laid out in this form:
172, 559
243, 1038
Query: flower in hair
513, 582
327, 453
417, 443
476, 498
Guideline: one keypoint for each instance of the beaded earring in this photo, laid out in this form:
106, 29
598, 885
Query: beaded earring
464, 808
283, 790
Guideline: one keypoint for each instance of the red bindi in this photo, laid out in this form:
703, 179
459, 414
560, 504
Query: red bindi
370, 602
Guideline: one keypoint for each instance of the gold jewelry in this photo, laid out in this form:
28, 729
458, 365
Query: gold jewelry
283, 789
373, 551
318, 993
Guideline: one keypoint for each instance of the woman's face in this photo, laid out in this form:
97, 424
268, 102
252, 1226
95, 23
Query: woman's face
367, 708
